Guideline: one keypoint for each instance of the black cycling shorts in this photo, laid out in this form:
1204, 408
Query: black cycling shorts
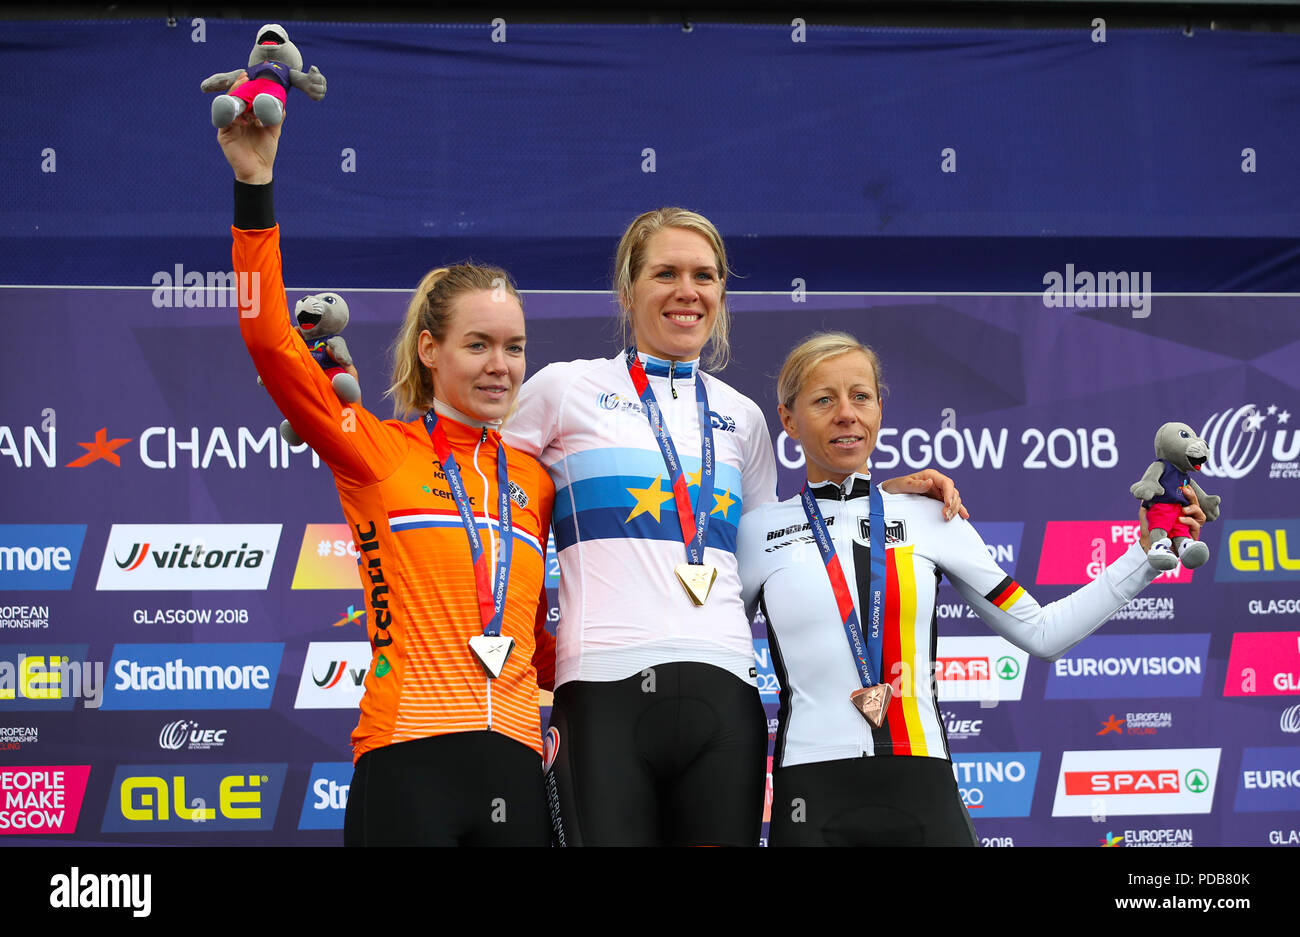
878, 800
673, 755
461, 789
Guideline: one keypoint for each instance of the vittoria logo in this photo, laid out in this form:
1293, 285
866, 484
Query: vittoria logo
170, 557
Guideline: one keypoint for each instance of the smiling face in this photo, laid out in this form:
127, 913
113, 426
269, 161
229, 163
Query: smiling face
479, 365
836, 416
675, 295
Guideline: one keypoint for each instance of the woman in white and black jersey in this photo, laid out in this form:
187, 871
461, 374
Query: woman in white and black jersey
657, 735
846, 577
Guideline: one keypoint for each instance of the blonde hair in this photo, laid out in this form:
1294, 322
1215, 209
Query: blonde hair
430, 309
811, 352
630, 258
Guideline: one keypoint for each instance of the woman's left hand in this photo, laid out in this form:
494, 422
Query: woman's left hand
932, 484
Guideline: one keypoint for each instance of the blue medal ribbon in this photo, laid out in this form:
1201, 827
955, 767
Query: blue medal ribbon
491, 594
868, 651
694, 522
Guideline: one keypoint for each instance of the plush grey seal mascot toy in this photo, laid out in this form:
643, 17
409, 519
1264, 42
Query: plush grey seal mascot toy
274, 67
1163, 492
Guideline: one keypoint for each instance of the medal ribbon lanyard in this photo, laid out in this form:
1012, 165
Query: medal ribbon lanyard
695, 524
491, 594
867, 652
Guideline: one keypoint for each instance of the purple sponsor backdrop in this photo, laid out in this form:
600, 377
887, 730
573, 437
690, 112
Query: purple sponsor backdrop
1042, 414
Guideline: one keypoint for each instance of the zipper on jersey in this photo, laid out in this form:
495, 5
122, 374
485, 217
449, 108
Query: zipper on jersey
840, 521
672, 372
487, 521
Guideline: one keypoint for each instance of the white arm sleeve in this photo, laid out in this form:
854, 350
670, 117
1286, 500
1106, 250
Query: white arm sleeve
758, 474
1044, 631
531, 427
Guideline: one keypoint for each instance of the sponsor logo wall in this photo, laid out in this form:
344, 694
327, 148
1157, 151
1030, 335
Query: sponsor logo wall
208, 629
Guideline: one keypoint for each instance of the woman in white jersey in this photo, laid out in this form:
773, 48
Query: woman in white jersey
856, 693
657, 733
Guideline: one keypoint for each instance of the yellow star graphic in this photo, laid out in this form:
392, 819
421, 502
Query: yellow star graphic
649, 500
693, 478
725, 501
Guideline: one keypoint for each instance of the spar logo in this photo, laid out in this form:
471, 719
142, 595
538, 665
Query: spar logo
1263, 663
39, 556
979, 668
1109, 666
1251, 551
1076, 552
1239, 437
188, 557
994, 784
1138, 782
42, 799
769, 688
333, 675
193, 798
1269, 780
192, 676
326, 800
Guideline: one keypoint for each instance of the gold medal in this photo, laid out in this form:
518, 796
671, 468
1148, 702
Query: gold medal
697, 579
873, 702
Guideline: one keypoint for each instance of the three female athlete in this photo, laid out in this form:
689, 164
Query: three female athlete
846, 578
450, 526
657, 733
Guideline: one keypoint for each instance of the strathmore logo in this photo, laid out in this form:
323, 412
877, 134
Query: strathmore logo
1239, 436
188, 557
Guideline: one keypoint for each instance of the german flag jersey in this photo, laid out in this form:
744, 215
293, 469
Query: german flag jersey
414, 557
782, 573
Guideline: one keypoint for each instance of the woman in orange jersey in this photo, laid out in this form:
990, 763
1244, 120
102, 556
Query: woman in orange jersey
847, 580
450, 526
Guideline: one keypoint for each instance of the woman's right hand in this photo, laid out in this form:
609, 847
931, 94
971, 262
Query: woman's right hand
249, 145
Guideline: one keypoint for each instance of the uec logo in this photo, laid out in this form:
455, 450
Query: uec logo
1237, 438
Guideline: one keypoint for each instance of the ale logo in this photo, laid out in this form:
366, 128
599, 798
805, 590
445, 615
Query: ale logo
1008, 668
1260, 549
1197, 781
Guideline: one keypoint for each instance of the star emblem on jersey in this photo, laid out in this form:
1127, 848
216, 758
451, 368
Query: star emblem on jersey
491, 651
724, 503
693, 478
649, 500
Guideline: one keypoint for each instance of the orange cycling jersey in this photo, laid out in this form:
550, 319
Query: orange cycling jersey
421, 599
